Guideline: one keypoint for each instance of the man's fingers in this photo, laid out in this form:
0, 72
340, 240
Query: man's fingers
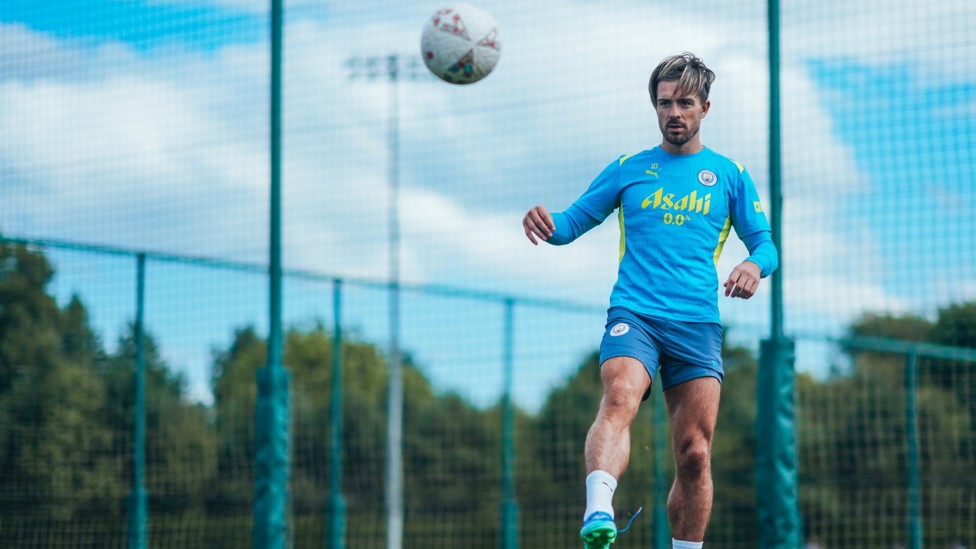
538, 223
535, 225
744, 287
730, 286
543, 220
741, 284
537, 230
530, 231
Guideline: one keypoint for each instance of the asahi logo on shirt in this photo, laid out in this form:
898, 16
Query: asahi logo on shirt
689, 203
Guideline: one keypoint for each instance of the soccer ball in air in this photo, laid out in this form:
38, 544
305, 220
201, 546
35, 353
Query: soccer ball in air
460, 44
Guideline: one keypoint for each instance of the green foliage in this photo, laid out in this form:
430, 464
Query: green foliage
53, 456
551, 459
956, 326
854, 435
66, 409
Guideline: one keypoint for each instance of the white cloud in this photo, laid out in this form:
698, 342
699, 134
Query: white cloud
169, 149
492, 249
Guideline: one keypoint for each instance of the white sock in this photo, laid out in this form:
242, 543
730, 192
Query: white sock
678, 544
600, 486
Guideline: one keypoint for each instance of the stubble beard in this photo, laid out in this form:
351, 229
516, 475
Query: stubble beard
679, 139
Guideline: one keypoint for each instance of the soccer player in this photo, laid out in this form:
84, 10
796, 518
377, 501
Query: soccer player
676, 204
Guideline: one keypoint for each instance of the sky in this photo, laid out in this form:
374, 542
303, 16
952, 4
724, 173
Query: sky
143, 124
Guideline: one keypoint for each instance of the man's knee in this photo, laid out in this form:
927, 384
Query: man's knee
622, 397
623, 392
693, 460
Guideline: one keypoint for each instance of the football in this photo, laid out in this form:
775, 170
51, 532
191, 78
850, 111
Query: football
460, 44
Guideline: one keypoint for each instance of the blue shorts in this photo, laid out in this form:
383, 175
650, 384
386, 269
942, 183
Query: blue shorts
681, 350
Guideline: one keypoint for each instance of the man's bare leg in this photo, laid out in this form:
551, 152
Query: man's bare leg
607, 449
693, 411
608, 441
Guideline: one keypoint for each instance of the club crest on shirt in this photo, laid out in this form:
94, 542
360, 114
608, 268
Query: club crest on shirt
619, 329
707, 178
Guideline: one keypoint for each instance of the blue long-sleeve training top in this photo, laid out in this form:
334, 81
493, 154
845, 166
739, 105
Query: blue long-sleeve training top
675, 213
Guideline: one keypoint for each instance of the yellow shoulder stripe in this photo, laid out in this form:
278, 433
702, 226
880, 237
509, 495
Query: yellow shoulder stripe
624, 158
740, 166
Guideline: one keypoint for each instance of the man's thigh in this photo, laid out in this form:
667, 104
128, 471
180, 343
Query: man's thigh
693, 407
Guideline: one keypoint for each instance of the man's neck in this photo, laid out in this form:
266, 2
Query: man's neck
687, 148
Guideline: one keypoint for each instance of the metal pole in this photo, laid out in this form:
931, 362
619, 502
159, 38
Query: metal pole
914, 476
394, 463
270, 529
274, 335
662, 530
395, 70
509, 502
138, 500
777, 509
336, 534
275, 214
775, 169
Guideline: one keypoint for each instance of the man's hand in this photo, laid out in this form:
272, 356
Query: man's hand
744, 280
538, 222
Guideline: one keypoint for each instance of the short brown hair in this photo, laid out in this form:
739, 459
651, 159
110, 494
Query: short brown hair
688, 71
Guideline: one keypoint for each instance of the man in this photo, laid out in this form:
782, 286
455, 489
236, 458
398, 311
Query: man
676, 205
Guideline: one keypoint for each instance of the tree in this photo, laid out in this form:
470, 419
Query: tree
181, 444
956, 326
54, 454
854, 432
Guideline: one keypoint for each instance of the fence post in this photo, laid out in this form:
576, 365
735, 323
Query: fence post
662, 530
272, 419
138, 498
335, 537
911, 420
509, 503
776, 477
777, 509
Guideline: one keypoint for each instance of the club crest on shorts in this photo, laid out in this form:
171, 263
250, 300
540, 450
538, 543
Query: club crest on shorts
619, 329
707, 178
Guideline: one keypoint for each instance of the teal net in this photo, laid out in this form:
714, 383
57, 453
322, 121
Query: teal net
142, 127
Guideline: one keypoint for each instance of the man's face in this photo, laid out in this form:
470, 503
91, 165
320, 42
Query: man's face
679, 117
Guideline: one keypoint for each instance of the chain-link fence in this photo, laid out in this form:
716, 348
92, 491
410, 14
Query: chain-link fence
141, 129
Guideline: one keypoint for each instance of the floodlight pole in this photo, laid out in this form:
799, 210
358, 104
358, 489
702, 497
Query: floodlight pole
394, 461
396, 67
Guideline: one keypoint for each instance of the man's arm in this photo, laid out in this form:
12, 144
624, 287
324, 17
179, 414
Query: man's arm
588, 211
558, 228
762, 261
762, 252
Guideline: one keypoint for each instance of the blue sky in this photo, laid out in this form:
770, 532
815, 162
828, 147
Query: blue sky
914, 139
143, 125
142, 25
